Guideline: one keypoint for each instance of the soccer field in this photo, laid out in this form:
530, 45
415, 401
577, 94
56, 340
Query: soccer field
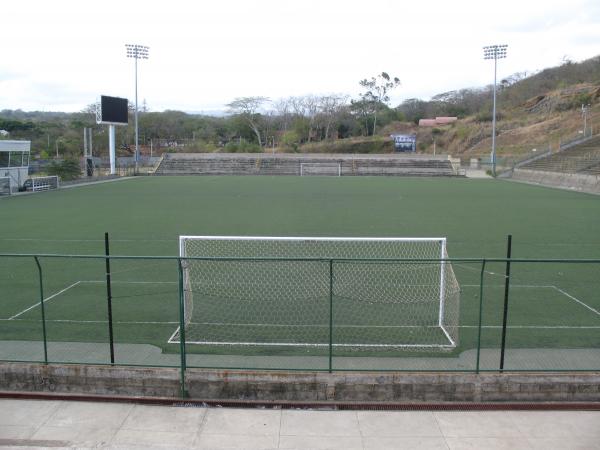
553, 306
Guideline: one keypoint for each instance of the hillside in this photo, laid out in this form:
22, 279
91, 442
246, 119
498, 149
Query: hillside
535, 111
539, 123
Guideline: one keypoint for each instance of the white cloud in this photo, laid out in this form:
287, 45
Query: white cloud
62, 55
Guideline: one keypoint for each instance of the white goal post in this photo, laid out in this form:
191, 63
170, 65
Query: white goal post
44, 183
323, 169
370, 294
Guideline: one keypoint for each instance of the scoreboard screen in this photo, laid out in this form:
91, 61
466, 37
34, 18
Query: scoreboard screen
112, 110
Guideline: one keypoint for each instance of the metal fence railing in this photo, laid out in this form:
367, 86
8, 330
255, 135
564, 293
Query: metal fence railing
515, 314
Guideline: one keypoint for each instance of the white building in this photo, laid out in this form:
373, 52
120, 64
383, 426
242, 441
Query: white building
14, 161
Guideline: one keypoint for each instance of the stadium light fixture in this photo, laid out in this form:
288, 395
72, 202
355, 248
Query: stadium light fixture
494, 52
136, 52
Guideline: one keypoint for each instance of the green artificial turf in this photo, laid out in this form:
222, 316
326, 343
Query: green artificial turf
551, 305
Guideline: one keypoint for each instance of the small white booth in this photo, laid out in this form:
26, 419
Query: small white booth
14, 164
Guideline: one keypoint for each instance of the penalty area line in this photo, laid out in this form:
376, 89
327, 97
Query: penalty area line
595, 311
45, 300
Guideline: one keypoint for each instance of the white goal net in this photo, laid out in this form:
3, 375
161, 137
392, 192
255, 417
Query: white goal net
323, 169
350, 293
43, 183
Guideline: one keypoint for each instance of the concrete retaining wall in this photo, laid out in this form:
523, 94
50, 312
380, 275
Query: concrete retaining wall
571, 181
301, 387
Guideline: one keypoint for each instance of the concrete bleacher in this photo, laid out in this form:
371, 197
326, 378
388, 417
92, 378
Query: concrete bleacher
576, 168
583, 158
290, 164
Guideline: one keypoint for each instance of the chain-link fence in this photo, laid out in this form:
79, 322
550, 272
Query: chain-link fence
318, 314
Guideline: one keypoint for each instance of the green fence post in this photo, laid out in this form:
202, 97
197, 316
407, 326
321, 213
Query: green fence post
181, 331
37, 261
330, 315
111, 342
505, 312
480, 315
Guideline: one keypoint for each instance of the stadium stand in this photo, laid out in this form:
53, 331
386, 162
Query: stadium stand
583, 158
286, 164
575, 168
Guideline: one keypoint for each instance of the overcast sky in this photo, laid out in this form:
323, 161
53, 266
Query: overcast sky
61, 55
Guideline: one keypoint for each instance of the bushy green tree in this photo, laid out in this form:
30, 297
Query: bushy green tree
67, 169
290, 140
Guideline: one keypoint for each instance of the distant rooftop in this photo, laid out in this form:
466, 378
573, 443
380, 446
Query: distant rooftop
437, 121
14, 146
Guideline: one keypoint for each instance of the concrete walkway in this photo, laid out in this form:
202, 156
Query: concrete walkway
69, 424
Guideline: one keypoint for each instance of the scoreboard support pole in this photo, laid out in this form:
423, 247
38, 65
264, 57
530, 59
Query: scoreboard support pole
111, 148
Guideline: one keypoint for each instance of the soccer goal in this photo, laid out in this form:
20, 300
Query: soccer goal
43, 183
351, 293
5, 188
323, 169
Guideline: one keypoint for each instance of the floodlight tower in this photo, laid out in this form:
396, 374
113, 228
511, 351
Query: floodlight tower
136, 52
494, 52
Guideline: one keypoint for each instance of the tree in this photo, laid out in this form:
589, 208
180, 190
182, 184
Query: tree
377, 92
67, 169
283, 108
414, 109
247, 109
330, 108
363, 109
290, 139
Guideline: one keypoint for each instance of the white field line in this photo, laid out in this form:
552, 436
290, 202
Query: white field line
538, 327
529, 286
475, 269
272, 325
171, 339
125, 322
45, 300
311, 344
83, 240
595, 311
